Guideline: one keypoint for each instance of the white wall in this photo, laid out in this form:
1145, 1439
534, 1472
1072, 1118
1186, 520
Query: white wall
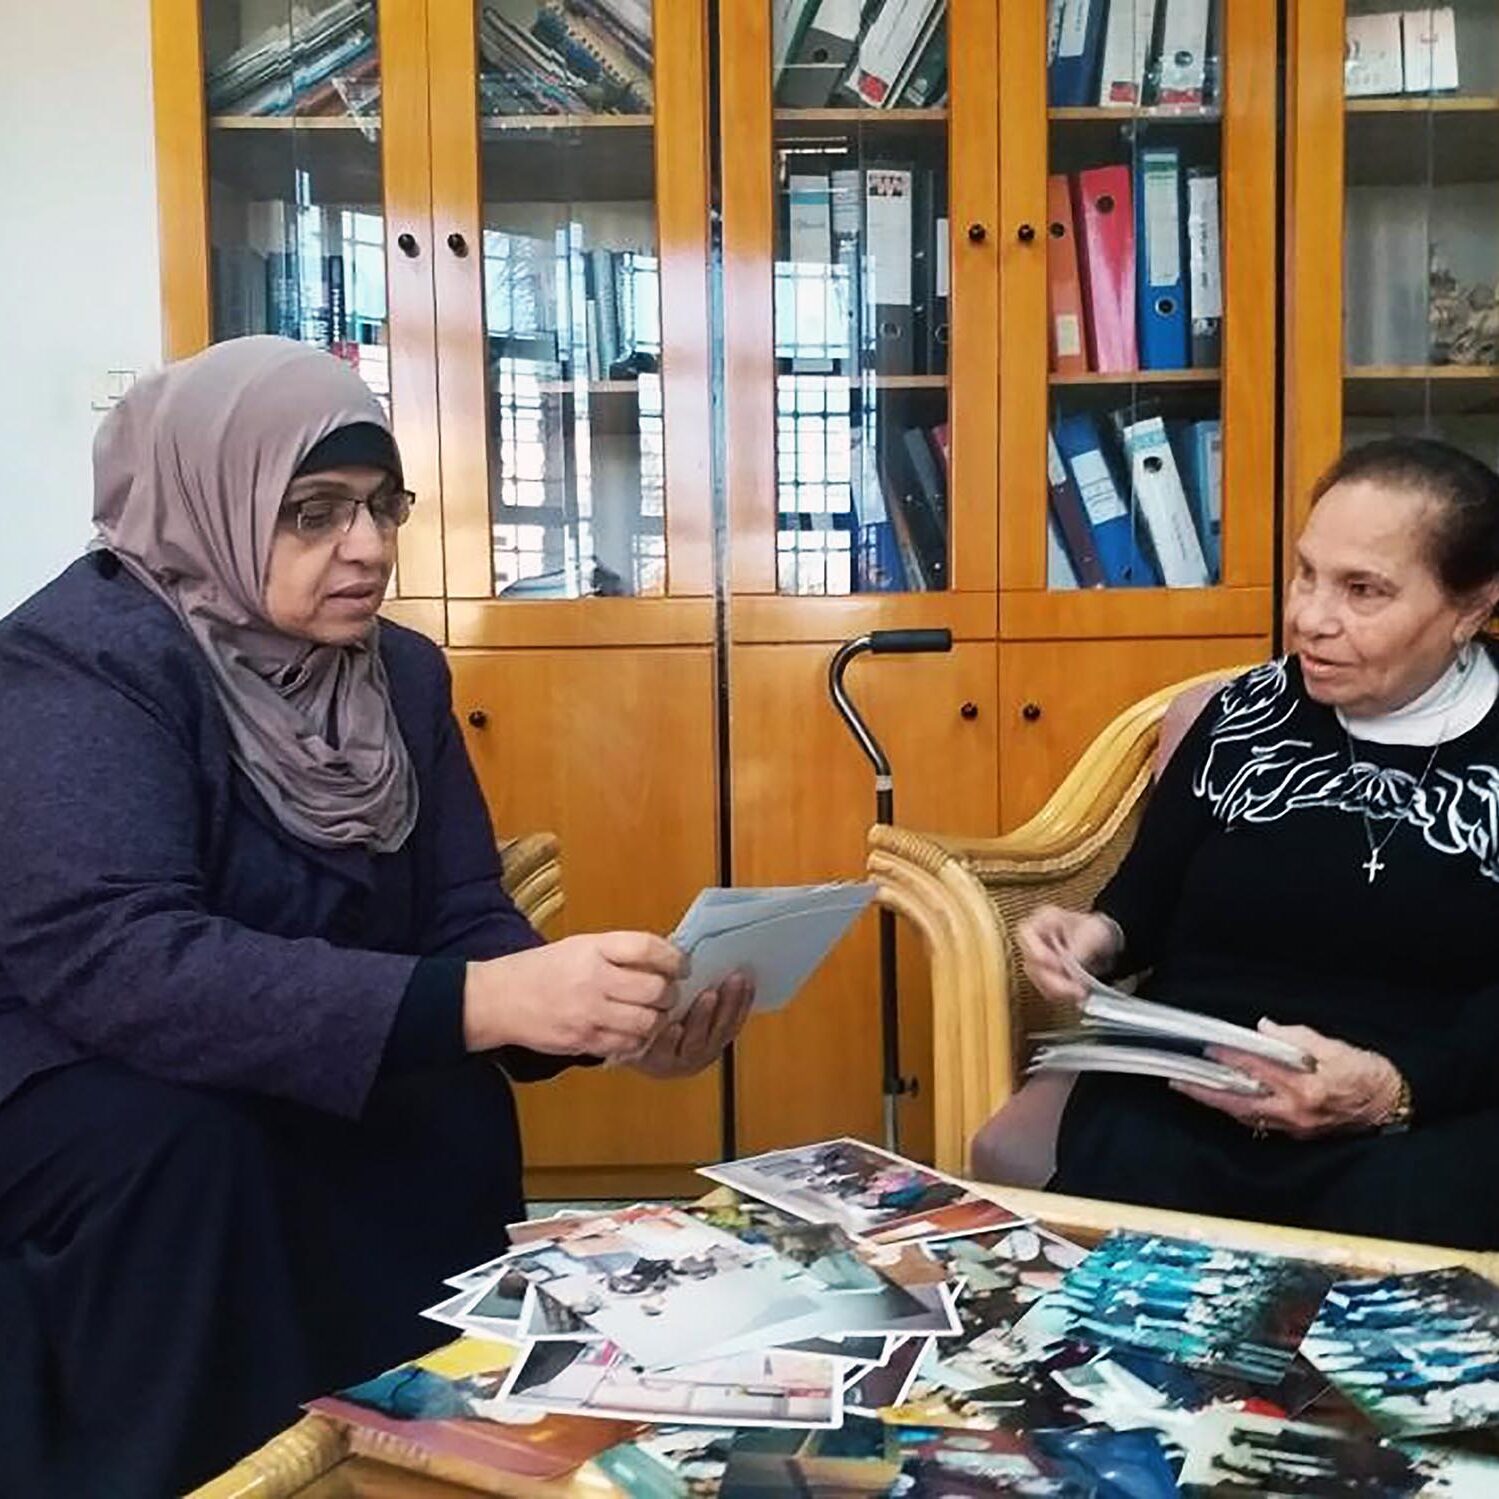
79, 288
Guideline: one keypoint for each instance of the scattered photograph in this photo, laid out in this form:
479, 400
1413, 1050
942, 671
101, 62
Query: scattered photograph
446, 1405
670, 1462
1228, 1311
543, 1316
500, 1299
1450, 1474
1418, 1353
1234, 1452
848, 1463
772, 1388
1003, 1275
888, 1383
864, 1190
941, 1464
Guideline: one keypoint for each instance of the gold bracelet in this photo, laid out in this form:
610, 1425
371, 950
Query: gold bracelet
1399, 1116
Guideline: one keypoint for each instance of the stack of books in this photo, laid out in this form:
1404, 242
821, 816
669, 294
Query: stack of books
1130, 53
1134, 267
302, 67
1135, 501
882, 54
565, 57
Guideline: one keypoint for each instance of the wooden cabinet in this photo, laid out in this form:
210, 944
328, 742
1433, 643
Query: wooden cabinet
613, 750
1045, 723
1392, 212
678, 426
803, 796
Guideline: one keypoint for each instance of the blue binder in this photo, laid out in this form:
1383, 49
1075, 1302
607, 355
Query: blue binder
1120, 555
1204, 442
1161, 260
1077, 27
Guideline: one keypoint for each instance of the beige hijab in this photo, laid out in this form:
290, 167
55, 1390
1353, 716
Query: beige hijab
189, 473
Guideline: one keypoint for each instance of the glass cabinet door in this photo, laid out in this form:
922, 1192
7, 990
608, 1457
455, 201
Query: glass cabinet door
572, 346
1134, 281
1421, 223
296, 205
862, 296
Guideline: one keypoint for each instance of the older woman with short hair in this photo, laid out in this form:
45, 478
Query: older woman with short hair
1321, 860
256, 965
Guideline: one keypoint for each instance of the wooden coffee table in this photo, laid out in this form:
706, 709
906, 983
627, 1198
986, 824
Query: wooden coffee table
312, 1460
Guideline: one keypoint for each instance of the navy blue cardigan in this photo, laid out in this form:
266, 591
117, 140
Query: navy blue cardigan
153, 911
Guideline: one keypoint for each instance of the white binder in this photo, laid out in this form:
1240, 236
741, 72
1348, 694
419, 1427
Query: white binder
1162, 500
1126, 53
1184, 52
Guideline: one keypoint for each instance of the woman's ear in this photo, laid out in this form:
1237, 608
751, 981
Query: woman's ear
1480, 613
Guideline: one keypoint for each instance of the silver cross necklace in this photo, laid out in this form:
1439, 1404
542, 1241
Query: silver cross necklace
1373, 864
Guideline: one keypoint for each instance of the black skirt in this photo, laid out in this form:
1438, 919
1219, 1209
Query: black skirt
1134, 1140
181, 1268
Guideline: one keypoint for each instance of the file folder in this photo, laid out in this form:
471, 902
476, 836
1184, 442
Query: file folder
1069, 520
1159, 232
1123, 562
930, 273
1059, 573
820, 53
888, 263
1204, 443
810, 304
1204, 268
1103, 211
1075, 40
1064, 292
892, 44
1126, 53
1184, 53
1162, 500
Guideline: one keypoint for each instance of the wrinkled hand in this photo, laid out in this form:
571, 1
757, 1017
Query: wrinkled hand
602, 994
1351, 1089
712, 1021
1050, 936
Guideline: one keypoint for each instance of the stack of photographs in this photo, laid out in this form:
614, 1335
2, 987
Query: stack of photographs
835, 1320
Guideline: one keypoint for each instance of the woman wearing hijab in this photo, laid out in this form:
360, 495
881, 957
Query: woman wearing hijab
256, 965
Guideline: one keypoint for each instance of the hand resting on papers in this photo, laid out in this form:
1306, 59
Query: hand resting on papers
1351, 1089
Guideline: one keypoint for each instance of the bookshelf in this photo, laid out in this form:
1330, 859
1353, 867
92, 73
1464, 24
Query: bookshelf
649, 710
1393, 207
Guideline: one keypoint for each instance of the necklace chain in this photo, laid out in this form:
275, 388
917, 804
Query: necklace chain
1372, 865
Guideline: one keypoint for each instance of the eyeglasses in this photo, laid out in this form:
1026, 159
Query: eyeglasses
321, 516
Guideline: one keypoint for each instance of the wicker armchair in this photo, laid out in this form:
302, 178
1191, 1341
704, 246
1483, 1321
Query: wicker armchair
966, 895
533, 876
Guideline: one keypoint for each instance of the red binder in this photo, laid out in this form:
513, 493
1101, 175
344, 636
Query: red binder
942, 441
1104, 211
1066, 343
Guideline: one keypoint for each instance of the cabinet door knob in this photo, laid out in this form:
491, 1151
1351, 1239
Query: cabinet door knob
1026, 233
457, 244
408, 245
970, 711
1031, 712
478, 718
978, 233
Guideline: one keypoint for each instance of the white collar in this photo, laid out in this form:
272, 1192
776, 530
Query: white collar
1456, 702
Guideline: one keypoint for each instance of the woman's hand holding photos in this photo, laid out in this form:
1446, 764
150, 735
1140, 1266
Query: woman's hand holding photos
1054, 943
712, 1021
603, 994
1350, 1089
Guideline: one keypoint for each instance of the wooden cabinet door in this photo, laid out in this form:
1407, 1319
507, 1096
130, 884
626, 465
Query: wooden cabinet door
613, 751
803, 800
1054, 698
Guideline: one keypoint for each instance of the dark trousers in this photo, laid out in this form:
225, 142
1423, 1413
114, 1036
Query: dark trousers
180, 1268
1133, 1140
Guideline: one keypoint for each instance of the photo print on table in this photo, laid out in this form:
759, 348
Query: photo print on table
1417, 1353
864, 1190
1228, 1311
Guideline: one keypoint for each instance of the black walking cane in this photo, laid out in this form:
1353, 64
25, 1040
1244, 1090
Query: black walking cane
883, 643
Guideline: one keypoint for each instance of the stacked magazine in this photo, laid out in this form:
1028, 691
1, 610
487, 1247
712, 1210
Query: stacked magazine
1118, 1032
